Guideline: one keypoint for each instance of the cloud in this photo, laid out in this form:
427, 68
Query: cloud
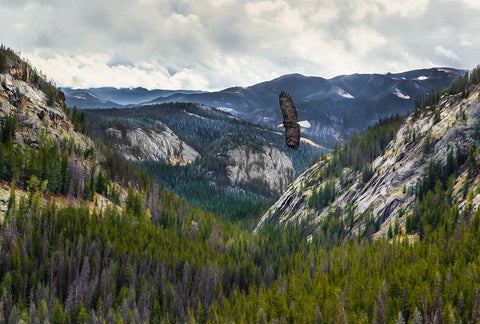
407, 9
96, 71
439, 50
472, 3
213, 44
365, 40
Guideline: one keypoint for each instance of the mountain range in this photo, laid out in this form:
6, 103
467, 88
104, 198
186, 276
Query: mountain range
109, 97
337, 108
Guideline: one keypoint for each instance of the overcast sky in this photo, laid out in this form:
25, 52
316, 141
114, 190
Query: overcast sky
214, 44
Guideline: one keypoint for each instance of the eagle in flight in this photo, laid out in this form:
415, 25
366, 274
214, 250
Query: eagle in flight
290, 121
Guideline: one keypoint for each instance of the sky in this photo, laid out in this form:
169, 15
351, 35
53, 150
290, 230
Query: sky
215, 44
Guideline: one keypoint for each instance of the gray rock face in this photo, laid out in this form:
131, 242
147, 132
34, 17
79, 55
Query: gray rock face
4, 198
139, 144
269, 166
388, 195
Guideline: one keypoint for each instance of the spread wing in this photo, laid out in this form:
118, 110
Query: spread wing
289, 111
290, 120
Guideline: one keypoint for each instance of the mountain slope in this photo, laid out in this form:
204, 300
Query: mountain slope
437, 143
46, 149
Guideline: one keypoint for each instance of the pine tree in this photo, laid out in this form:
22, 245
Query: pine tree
58, 317
381, 306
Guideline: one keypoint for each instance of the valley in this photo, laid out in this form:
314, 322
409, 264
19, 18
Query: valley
384, 229
214, 160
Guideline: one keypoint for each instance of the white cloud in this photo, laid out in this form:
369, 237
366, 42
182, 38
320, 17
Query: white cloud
213, 44
405, 8
93, 70
465, 42
441, 51
472, 3
365, 40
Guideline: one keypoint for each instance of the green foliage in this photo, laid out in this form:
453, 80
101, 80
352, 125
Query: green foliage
134, 205
8, 130
432, 211
195, 185
193, 266
436, 117
367, 173
459, 85
101, 184
323, 196
358, 152
475, 76
51, 94
78, 121
438, 173
3, 62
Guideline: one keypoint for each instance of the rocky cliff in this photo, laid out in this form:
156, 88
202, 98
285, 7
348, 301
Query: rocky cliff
36, 116
149, 144
268, 167
427, 139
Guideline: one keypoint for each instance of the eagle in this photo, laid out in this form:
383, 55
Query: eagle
290, 121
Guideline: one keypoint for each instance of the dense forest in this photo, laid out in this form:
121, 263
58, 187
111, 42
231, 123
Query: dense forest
179, 264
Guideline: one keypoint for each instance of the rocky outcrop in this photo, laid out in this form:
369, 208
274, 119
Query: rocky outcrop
268, 167
389, 193
37, 121
34, 114
141, 144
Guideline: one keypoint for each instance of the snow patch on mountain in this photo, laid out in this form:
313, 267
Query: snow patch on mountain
400, 94
225, 109
343, 93
194, 115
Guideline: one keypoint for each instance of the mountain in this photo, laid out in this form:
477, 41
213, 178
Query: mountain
205, 155
337, 108
109, 97
388, 177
